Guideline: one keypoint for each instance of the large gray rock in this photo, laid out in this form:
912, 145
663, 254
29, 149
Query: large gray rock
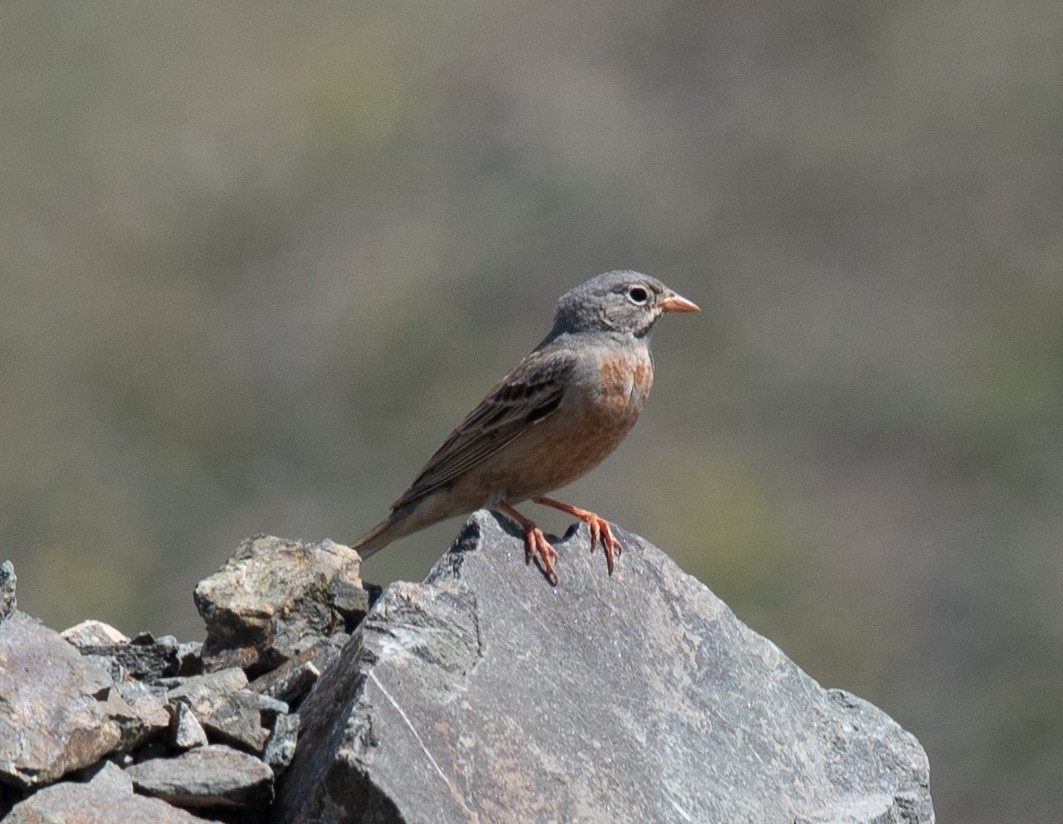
59, 711
487, 695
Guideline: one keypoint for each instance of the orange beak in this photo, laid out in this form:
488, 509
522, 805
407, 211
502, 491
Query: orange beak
671, 302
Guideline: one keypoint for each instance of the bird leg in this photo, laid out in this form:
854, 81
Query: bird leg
535, 542
600, 531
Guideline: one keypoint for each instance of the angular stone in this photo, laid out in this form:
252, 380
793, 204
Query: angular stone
8, 579
58, 710
281, 745
224, 707
274, 599
146, 661
185, 730
189, 658
214, 776
289, 682
636, 697
149, 704
94, 634
106, 799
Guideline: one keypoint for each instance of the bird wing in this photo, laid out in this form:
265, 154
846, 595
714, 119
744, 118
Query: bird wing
524, 398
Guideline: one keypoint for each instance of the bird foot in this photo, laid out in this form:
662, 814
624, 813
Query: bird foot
535, 543
600, 531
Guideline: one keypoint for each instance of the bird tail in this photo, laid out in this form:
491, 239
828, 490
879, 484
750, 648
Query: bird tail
375, 539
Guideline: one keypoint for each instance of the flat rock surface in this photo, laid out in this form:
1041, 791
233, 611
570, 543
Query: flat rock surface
214, 776
107, 799
487, 695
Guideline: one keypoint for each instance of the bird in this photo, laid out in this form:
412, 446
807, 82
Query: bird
557, 415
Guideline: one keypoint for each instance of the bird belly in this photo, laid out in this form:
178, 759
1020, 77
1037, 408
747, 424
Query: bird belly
582, 433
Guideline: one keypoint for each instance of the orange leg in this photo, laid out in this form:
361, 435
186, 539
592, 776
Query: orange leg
535, 542
600, 531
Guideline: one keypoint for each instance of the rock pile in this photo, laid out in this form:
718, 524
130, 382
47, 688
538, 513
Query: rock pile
123, 729
482, 695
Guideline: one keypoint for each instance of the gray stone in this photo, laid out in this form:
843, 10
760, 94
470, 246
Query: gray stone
149, 704
185, 730
631, 698
290, 681
274, 599
189, 658
143, 660
280, 749
8, 579
107, 798
269, 708
214, 776
58, 710
223, 705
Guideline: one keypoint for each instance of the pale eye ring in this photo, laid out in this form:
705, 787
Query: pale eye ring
638, 295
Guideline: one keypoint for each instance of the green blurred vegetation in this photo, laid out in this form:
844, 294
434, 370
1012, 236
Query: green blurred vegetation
258, 259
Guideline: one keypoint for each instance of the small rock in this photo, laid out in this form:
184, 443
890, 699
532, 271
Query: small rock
274, 599
225, 708
185, 730
269, 708
189, 658
94, 634
281, 745
107, 798
214, 776
8, 579
289, 682
58, 710
140, 658
149, 703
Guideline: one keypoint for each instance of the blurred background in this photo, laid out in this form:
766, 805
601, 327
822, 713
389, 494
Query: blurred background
259, 259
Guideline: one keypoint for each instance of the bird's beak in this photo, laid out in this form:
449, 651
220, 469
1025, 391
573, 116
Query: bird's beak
671, 302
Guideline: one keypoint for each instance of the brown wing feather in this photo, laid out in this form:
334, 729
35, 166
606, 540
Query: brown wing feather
525, 397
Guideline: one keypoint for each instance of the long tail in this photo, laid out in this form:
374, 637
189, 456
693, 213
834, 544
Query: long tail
375, 539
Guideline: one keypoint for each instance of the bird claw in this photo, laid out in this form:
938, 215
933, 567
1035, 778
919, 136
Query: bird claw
535, 543
602, 534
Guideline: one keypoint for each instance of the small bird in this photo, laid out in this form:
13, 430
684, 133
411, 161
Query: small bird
556, 416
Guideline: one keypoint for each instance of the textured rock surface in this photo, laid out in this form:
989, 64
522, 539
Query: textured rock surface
214, 776
107, 799
8, 580
485, 693
274, 599
59, 711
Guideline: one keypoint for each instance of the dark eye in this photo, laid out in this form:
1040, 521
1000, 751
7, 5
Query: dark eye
638, 295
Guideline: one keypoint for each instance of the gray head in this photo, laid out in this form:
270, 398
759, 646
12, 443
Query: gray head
621, 301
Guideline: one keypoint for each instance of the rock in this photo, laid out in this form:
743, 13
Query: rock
94, 634
636, 697
189, 658
289, 682
281, 745
8, 579
59, 711
145, 661
214, 776
106, 799
185, 730
224, 707
149, 704
274, 599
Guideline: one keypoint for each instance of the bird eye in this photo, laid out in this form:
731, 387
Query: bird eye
638, 295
